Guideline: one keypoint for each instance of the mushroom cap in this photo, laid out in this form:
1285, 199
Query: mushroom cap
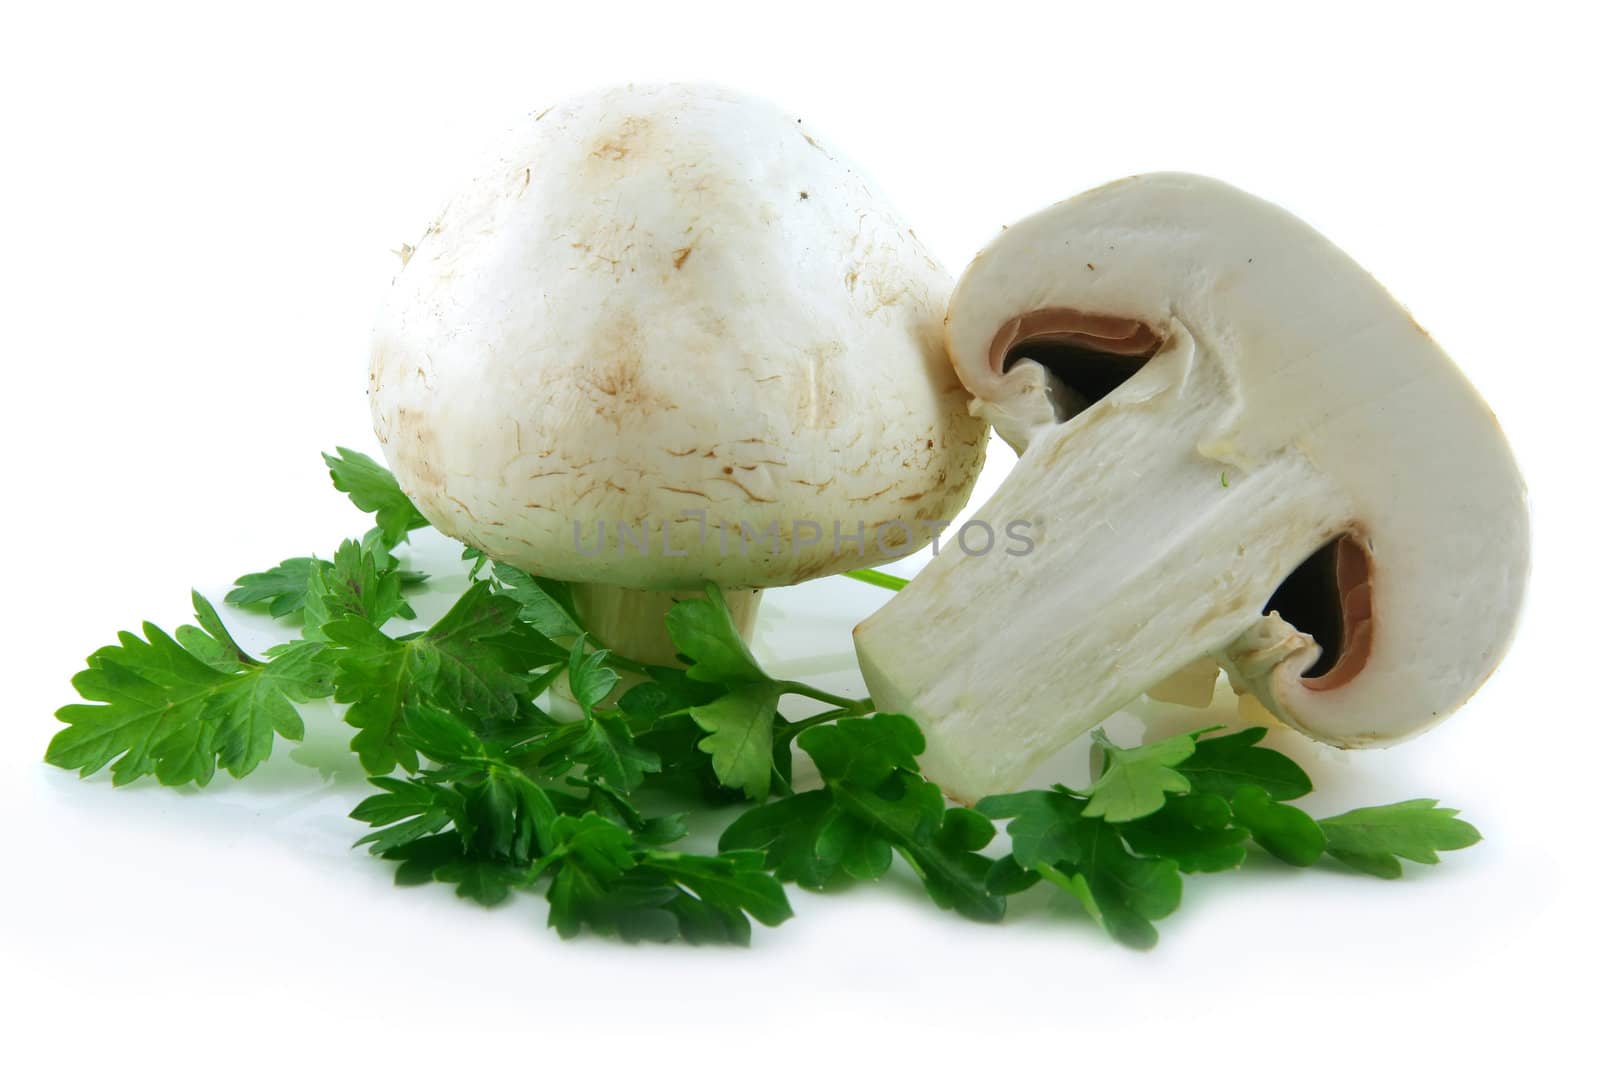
657, 301
1316, 359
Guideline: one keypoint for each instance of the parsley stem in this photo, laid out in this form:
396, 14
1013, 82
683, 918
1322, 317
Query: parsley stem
624, 664
853, 707
882, 580
857, 707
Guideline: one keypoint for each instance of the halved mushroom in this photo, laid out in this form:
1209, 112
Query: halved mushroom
668, 335
1219, 414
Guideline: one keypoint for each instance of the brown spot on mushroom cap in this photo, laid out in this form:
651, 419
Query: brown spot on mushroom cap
619, 143
892, 534
816, 398
415, 439
613, 375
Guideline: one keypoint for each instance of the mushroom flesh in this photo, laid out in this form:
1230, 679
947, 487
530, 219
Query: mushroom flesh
1234, 444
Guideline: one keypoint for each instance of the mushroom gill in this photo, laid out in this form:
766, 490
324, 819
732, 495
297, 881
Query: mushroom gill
1329, 598
1086, 356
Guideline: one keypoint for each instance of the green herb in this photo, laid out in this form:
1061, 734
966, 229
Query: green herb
356, 583
474, 785
1136, 781
738, 728
1122, 892
1375, 840
739, 722
874, 804
374, 490
287, 588
281, 589
545, 605
479, 661
878, 578
1126, 872
1198, 833
180, 709
1223, 764
606, 745
1282, 829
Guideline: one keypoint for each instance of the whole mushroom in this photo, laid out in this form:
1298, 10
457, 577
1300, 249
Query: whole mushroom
668, 336
1235, 446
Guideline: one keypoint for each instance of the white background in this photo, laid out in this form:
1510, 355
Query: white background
198, 210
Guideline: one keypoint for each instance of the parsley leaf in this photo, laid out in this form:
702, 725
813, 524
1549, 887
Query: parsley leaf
163, 710
1374, 840
1136, 781
1054, 837
476, 661
606, 745
353, 584
607, 748
1043, 827
1196, 832
1122, 892
1127, 873
1282, 829
739, 722
864, 751
546, 604
676, 739
373, 489
704, 632
405, 810
788, 832
590, 680
443, 858
717, 892
211, 641
853, 846
1222, 764
738, 738
379, 677
282, 589
593, 855
873, 802
493, 819
601, 881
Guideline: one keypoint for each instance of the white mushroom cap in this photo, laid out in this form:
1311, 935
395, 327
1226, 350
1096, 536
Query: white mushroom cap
673, 306
1270, 417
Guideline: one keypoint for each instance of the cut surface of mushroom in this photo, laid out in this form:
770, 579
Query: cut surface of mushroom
668, 335
1234, 444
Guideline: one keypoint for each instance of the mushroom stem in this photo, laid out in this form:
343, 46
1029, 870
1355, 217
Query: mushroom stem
632, 622
1142, 556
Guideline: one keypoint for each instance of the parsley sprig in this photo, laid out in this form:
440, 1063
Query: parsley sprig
1190, 805
477, 785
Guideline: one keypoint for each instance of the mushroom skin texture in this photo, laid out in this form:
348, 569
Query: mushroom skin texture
672, 308
1218, 413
